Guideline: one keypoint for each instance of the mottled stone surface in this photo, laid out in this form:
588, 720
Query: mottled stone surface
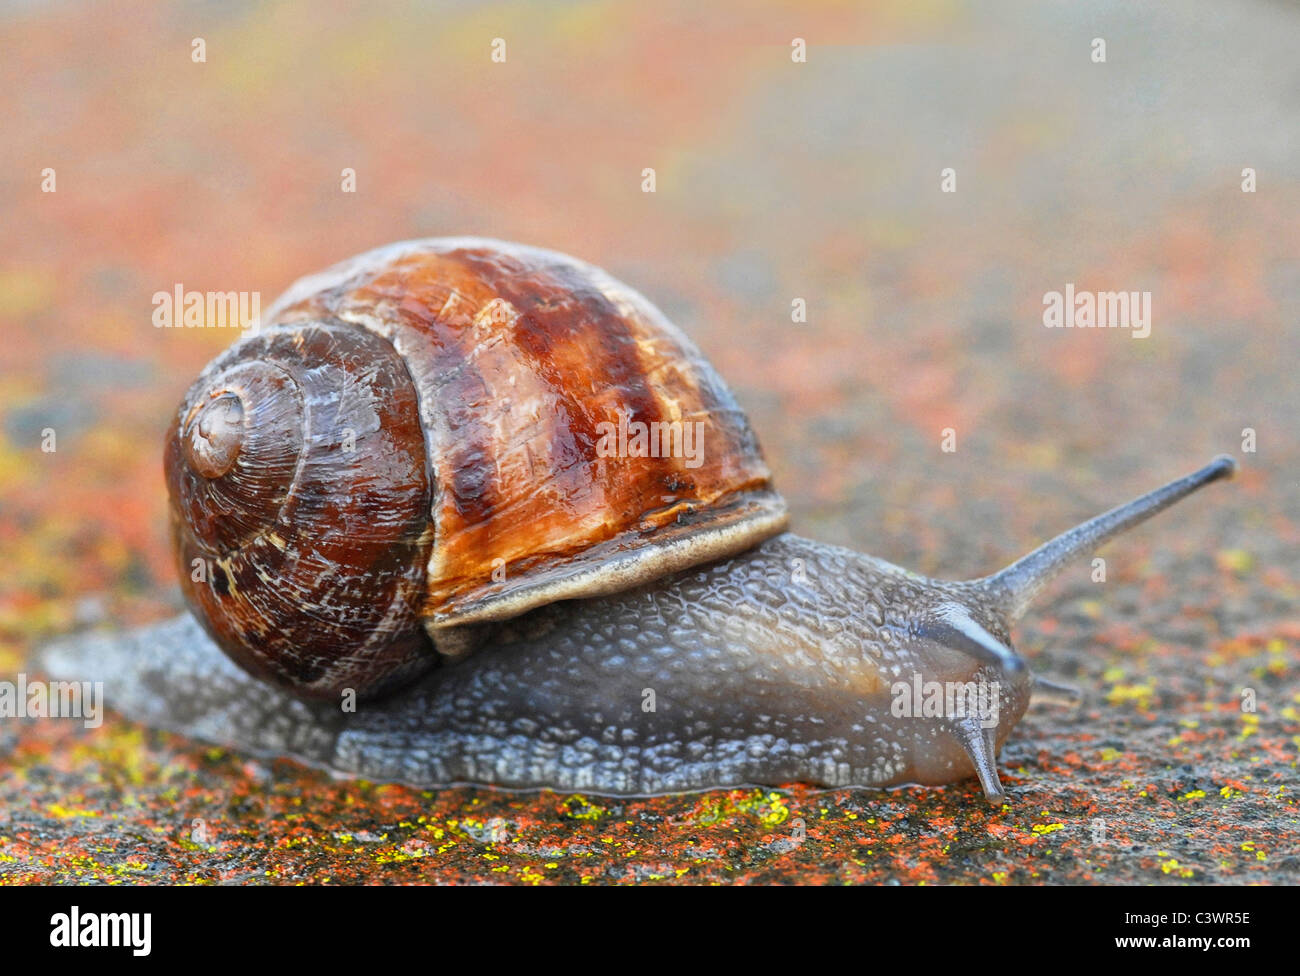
775, 181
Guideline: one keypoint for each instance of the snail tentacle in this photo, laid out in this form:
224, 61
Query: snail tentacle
978, 743
1015, 587
1054, 693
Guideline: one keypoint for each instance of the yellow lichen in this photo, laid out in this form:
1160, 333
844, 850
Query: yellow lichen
1172, 866
1141, 694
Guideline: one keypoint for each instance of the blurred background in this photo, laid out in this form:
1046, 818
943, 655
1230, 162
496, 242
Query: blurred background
776, 180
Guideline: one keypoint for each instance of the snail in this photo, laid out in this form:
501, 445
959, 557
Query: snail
466, 511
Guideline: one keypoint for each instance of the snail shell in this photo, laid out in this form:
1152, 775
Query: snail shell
415, 443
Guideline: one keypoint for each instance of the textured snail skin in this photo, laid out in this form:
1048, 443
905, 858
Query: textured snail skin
757, 678
776, 666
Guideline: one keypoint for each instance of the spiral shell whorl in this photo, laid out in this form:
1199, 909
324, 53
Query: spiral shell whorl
300, 516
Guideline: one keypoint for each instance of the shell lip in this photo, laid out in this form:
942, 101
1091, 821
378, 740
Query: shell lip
623, 562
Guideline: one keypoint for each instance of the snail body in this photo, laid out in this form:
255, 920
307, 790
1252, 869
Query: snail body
417, 420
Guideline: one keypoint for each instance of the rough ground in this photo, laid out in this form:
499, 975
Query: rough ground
775, 181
